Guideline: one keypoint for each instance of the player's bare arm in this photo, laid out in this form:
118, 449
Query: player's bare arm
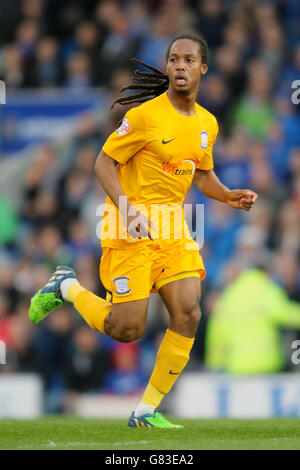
210, 185
136, 222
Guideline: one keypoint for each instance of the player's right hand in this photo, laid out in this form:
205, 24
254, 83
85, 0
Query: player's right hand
138, 226
241, 199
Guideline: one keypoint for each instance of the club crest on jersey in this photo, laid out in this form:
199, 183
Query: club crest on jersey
122, 285
204, 139
124, 127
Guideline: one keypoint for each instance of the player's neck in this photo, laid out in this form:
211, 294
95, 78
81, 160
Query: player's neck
184, 104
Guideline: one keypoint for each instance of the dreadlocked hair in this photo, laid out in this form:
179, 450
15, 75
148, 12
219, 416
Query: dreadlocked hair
153, 84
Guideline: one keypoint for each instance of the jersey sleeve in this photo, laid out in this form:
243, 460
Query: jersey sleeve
128, 139
206, 162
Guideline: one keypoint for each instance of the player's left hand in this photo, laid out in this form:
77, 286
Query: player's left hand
241, 199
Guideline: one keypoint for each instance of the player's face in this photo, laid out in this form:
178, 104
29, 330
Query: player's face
184, 67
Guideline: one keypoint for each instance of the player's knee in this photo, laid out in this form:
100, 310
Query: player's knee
124, 334
130, 335
191, 310
190, 315
127, 335
195, 315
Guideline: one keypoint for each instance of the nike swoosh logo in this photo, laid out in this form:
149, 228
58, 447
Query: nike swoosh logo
167, 141
173, 373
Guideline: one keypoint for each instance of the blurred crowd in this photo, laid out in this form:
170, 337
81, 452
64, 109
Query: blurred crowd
254, 59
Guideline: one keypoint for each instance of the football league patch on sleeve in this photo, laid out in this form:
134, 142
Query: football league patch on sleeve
124, 127
121, 284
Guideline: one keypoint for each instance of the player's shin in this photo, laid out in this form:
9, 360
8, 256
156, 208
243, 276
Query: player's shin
172, 357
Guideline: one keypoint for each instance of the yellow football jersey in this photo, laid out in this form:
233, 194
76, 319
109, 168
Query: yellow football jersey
158, 150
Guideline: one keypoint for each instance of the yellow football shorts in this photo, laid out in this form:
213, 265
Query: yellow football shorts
132, 273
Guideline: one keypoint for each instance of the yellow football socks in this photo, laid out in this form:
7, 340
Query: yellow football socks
172, 357
92, 308
73, 290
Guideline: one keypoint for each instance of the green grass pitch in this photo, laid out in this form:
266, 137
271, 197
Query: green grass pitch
72, 433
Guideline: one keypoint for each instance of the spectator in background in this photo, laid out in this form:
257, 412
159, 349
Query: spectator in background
296, 190
118, 47
262, 219
272, 43
42, 173
221, 227
88, 39
8, 222
287, 273
140, 18
250, 240
86, 363
79, 242
52, 344
105, 11
153, 45
74, 187
49, 247
276, 147
228, 63
22, 355
43, 209
5, 319
29, 275
13, 69
291, 71
294, 162
27, 36
211, 19
291, 13
255, 111
125, 376
32, 10
243, 329
79, 75
261, 174
120, 79
62, 17
47, 71
85, 160
7, 281
88, 134
215, 96
288, 228
88, 267
288, 120
273, 50
85, 38
237, 35
232, 159
178, 12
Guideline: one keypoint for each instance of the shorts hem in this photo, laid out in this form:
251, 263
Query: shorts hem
199, 273
121, 300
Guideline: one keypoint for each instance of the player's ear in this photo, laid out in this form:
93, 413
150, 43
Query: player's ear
204, 69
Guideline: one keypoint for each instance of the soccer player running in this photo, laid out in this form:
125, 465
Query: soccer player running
162, 146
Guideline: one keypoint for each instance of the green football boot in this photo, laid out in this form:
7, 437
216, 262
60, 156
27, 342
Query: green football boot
49, 297
157, 420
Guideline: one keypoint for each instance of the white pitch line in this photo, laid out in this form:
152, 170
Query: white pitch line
128, 443
78, 443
